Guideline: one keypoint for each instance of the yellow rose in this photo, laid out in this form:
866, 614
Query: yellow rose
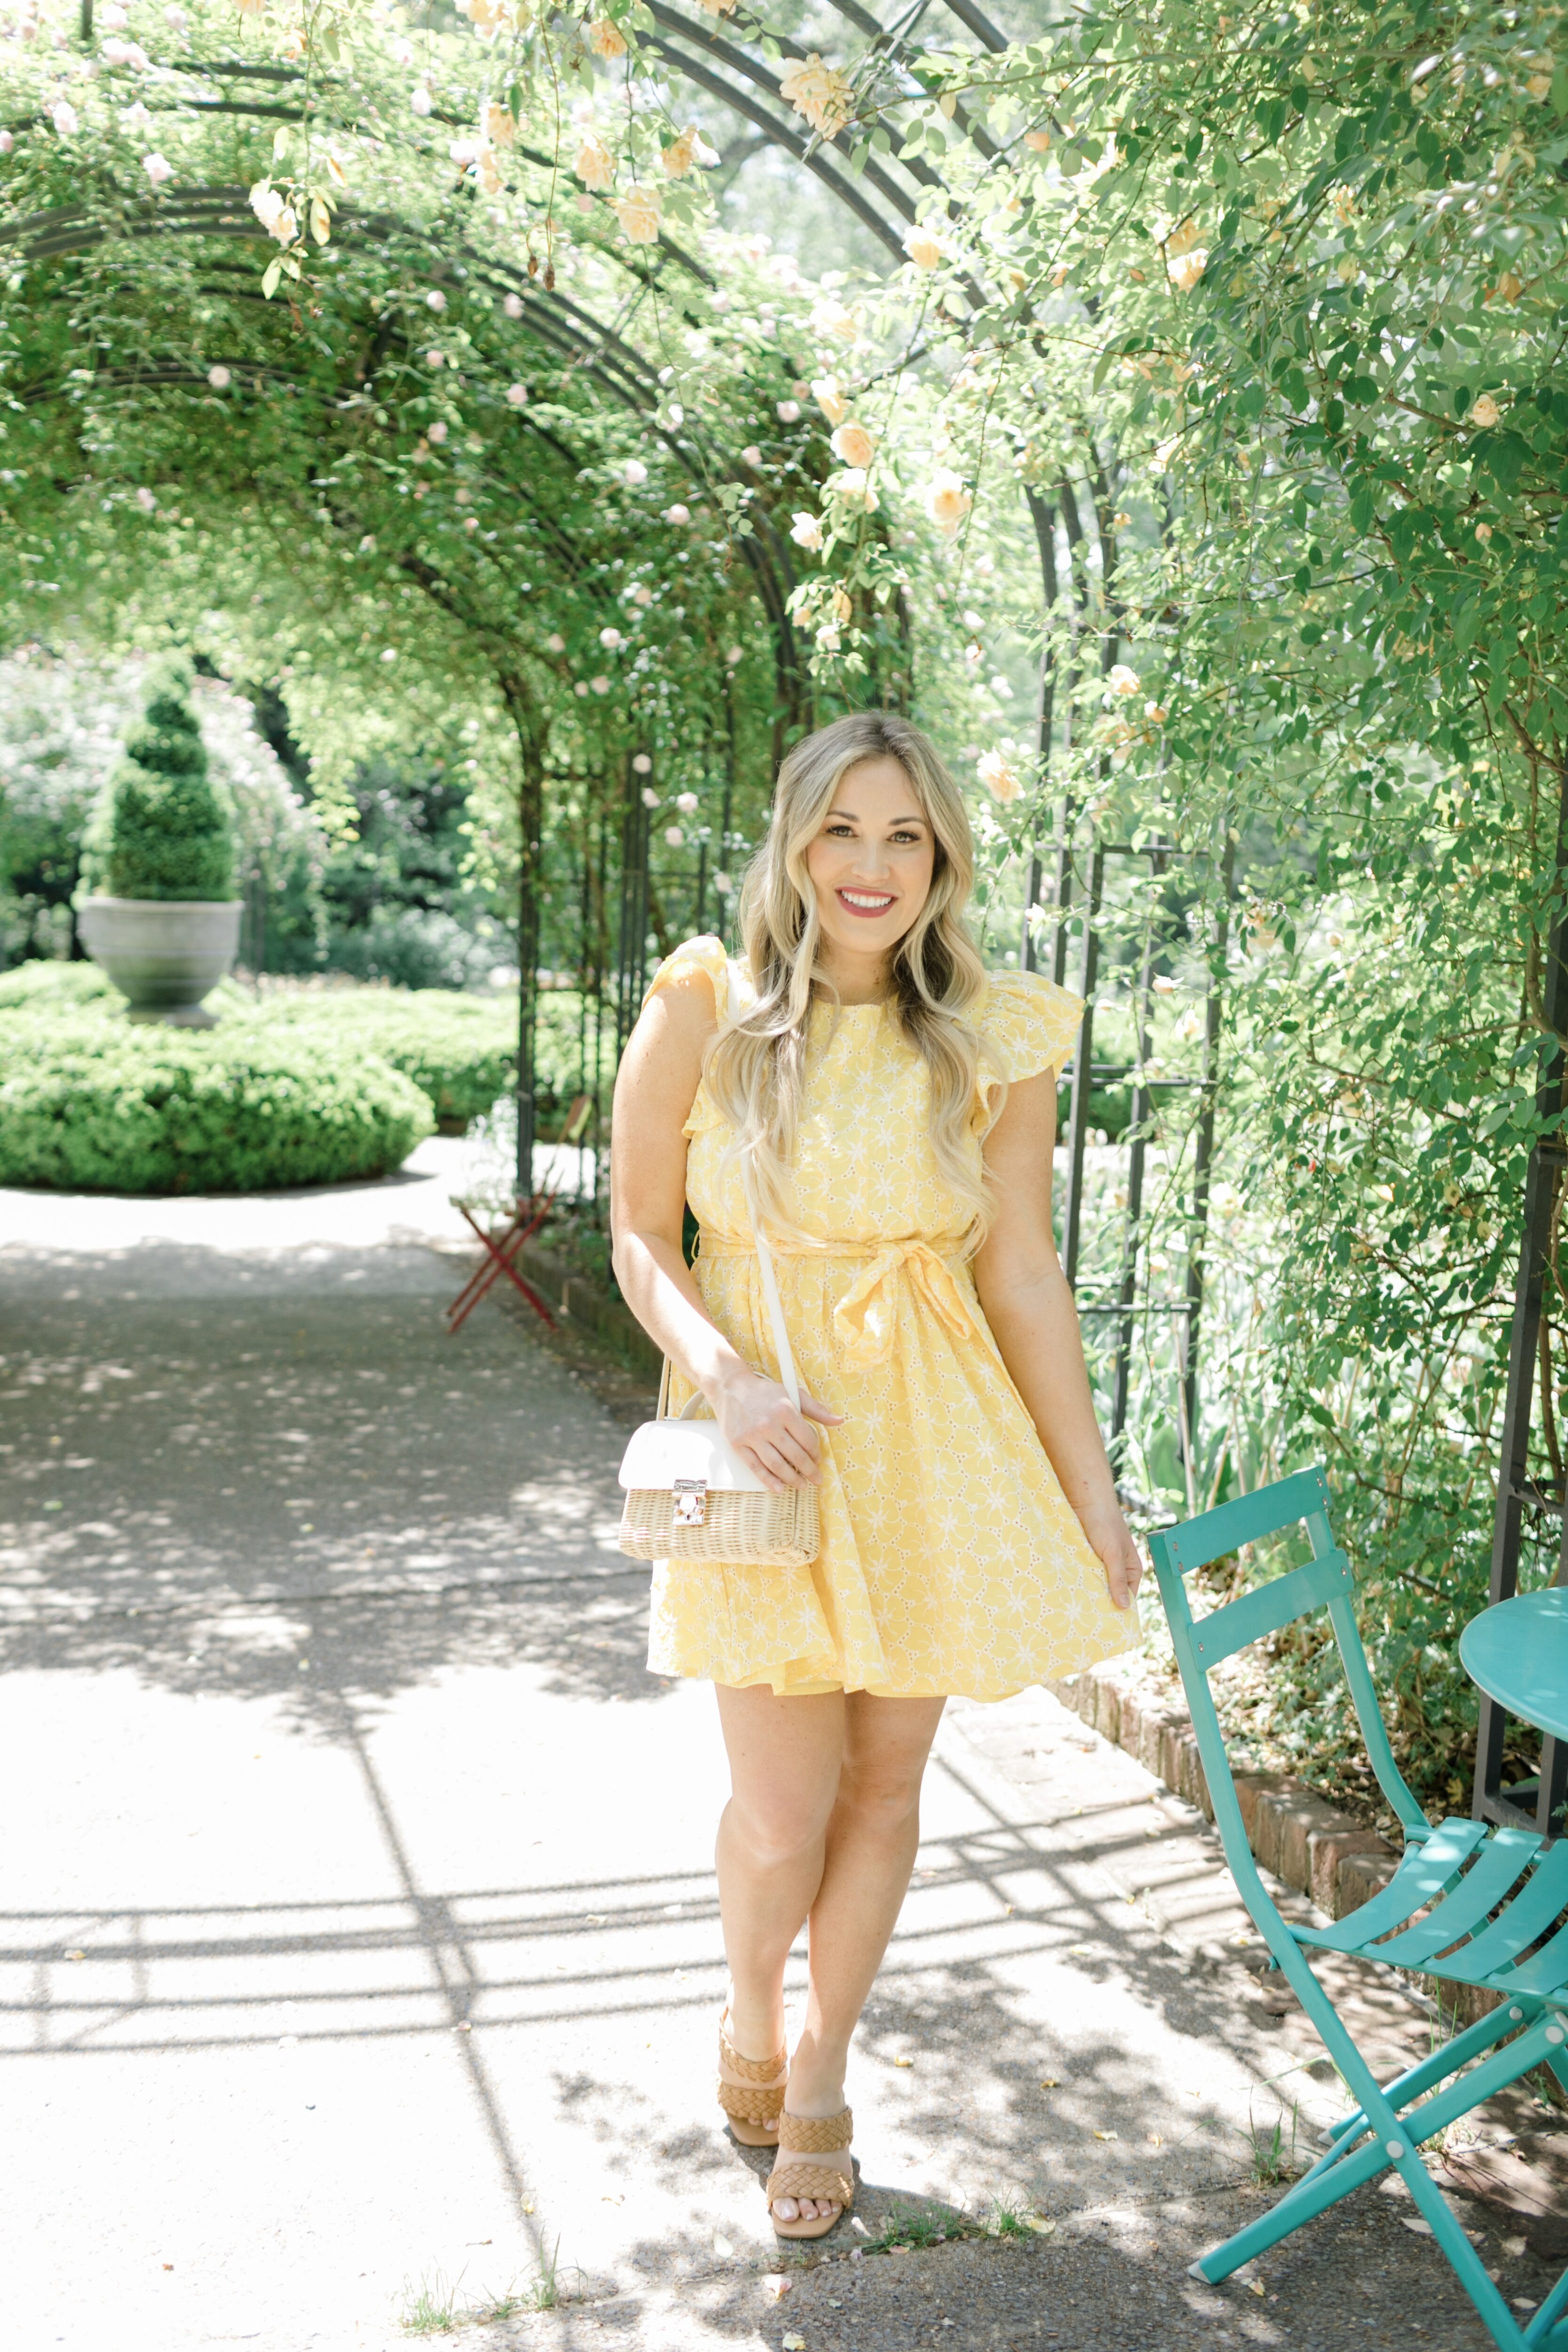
824, 96
1188, 268
679, 155
947, 500
499, 126
998, 777
829, 399
830, 315
638, 213
595, 166
1486, 413
605, 38
852, 487
853, 445
923, 249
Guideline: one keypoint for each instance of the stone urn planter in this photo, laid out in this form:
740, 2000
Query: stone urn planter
164, 955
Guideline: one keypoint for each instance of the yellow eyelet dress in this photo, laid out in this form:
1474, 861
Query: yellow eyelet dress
951, 1562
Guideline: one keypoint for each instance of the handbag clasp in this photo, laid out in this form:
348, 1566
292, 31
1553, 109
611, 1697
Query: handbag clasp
690, 1498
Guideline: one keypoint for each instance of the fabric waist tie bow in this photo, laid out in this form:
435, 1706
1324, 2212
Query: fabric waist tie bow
864, 1319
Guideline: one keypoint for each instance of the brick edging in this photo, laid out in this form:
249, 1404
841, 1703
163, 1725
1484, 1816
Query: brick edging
1297, 1834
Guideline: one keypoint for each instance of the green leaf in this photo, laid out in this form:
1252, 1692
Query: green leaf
273, 272
1503, 456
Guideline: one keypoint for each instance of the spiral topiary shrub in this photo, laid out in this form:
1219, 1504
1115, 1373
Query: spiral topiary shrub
90, 1105
161, 831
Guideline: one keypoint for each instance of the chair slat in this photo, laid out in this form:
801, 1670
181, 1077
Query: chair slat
1247, 1520
1532, 1912
1421, 1877
1499, 1866
1544, 1973
1230, 1629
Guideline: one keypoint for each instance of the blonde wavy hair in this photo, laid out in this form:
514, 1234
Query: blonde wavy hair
755, 1070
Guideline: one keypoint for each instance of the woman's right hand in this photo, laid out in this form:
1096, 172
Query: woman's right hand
757, 1418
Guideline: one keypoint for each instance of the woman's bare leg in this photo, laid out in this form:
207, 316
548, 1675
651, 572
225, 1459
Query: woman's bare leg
824, 1822
872, 1838
784, 1759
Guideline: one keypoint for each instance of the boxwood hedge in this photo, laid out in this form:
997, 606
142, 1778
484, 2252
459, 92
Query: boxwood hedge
461, 1051
90, 1104
49, 985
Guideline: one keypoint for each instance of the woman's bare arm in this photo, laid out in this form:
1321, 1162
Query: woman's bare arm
1030, 1310
657, 1083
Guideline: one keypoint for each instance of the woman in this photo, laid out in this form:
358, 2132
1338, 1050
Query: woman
897, 1108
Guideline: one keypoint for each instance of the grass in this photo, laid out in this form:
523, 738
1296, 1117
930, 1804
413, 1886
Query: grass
432, 2308
936, 2225
1272, 2161
1011, 2217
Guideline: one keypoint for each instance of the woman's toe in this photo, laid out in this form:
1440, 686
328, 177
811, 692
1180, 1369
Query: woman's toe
786, 2209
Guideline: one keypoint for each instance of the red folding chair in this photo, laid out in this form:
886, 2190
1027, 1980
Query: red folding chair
504, 1245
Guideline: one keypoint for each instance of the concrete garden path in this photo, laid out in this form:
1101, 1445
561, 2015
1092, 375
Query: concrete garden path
360, 1952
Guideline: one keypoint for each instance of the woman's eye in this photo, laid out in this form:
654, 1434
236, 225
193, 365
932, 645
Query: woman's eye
840, 833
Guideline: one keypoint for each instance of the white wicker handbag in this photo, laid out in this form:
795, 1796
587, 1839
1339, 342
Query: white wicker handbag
689, 1494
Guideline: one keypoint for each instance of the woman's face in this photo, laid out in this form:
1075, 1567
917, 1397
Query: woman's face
872, 861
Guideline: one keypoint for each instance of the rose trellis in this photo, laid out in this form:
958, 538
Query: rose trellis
463, 229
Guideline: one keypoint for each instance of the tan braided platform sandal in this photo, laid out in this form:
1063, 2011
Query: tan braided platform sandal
830, 2178
750, 2091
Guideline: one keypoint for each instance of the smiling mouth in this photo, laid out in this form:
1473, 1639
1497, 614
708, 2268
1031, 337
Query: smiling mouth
866, 902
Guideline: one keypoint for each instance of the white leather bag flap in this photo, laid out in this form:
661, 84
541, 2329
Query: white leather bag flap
660, 1452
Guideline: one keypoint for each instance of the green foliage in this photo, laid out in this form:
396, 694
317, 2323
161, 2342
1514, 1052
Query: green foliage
52, 986
87, 1105
460, 1050
161, 831
413, 948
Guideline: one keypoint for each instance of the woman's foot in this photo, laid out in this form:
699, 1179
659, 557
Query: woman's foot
814, 2180
750, 2090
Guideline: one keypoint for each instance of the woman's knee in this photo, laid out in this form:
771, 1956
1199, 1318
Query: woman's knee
774, 1828
881, 1792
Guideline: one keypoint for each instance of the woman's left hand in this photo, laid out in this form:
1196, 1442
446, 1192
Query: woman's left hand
1119, 1557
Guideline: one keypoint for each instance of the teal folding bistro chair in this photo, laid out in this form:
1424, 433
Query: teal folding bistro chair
1476, 1906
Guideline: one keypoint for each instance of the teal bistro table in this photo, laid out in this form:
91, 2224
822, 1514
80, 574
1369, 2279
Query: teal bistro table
1517, 1652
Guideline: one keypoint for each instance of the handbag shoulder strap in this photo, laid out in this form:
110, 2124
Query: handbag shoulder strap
782, 1347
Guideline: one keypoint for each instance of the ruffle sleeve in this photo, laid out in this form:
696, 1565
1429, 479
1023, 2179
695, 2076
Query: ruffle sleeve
705, 954
1029, 1024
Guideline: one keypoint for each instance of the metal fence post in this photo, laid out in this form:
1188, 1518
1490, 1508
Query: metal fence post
1544, 1174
